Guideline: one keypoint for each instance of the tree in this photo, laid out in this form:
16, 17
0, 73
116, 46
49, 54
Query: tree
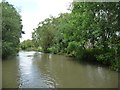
26, 45
44, 34
11, 29
89, 32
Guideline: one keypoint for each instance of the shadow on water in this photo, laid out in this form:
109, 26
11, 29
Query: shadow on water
38, 70
65, 70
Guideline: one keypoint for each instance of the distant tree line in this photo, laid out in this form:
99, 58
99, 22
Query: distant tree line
27, 45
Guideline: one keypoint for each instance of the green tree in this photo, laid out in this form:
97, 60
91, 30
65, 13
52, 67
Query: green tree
89, 32
11, 29
27, 45
43, 35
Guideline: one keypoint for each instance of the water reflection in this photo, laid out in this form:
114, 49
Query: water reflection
39, 70
43, 65
62, 71
28, 73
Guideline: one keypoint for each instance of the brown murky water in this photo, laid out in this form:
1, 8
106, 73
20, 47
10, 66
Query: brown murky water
38, 70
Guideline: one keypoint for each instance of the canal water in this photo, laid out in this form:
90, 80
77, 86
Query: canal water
30, 69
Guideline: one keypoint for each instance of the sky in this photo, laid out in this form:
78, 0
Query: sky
35, 11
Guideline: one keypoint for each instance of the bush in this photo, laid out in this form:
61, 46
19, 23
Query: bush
79, 52
71, 49
52, 50
39, 49
8, 49
116, 64
111, 58
105, 58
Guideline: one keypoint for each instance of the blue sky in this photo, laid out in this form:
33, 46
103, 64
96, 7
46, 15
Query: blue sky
34, 11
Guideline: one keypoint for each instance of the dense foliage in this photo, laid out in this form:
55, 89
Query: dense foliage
11, 29
27, 45
90, 32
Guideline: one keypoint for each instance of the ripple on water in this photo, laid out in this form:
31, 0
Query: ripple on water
49, 81
51, 71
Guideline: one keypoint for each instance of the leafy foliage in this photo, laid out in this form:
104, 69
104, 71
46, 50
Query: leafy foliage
90, 32
11, 29
26, 45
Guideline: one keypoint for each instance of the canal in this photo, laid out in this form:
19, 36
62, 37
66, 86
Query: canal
30, 69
